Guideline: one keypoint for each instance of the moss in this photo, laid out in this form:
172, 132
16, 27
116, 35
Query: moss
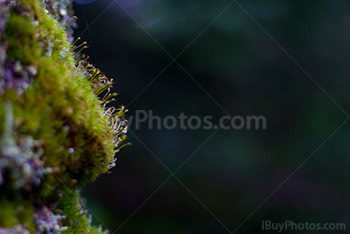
77, 218
60, 109
21, 37
15, 213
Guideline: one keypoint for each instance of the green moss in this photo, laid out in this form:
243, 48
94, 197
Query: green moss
16, 213
60, 109
76, 219
20, 35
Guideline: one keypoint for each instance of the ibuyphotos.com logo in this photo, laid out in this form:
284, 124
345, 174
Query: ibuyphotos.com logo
290, 225
148, 120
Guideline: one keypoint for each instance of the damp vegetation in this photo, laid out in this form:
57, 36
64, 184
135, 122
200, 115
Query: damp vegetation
58, 131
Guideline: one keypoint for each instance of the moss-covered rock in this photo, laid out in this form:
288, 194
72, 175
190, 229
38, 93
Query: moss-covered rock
56, 133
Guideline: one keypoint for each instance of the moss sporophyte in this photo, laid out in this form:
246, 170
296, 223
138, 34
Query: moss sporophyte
58, 130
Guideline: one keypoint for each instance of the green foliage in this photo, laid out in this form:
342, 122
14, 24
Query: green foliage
16, 212
77, 219
20, 34
61, 110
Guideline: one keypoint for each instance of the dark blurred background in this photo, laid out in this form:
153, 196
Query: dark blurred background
245, 72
